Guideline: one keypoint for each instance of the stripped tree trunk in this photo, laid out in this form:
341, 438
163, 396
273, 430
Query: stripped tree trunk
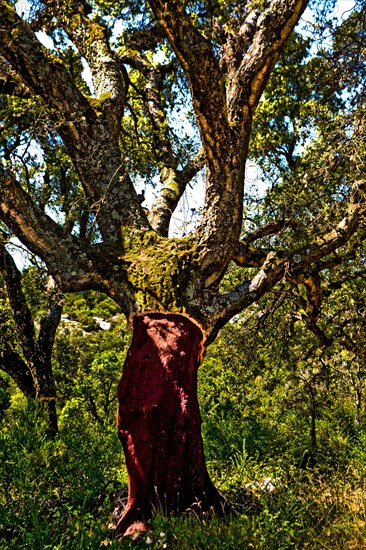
159, 422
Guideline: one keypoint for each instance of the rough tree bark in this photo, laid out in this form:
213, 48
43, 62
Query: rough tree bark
168, 288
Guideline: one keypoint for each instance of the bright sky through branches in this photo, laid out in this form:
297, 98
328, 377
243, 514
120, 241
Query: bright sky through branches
188, 208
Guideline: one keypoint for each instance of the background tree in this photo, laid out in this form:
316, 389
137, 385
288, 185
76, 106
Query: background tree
27, 356
85, 218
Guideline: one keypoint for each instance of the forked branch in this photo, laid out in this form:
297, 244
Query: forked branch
90, 139
196, 56
275, 268
64, 254
249, 69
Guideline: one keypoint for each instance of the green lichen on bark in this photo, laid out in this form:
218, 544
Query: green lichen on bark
98, 103
160, 270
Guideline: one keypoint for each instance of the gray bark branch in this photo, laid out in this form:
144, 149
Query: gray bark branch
91, 141
275, 268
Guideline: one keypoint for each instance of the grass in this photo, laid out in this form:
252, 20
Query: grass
61, 495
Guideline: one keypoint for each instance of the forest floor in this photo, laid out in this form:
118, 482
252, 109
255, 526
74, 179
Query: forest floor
62, 494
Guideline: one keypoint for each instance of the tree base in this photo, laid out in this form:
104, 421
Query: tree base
159, 423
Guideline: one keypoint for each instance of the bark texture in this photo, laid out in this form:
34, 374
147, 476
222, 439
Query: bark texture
159, 422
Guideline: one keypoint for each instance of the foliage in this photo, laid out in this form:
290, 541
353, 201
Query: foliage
282, 391
88, 359
52, 492
62, 493
5, 396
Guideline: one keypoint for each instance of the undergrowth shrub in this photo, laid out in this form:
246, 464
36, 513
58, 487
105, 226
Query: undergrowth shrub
61, 494
56, 494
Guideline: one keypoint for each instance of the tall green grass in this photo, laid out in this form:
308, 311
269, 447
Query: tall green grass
61, 494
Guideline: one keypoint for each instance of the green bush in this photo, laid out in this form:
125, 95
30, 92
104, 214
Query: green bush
5, 395
57, 494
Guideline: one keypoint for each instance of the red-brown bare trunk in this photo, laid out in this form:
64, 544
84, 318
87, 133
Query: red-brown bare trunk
159, 422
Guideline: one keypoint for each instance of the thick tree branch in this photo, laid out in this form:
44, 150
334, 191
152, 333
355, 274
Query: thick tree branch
73, 262
10, 83
64, 254
34, 228
275, 268
249, 70
91, 142
92, 41
174, 183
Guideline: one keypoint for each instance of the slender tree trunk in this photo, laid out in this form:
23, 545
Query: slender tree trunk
44, 383
52, 417
159, 422
313, 434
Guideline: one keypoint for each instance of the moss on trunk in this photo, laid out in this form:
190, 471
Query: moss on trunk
160, 270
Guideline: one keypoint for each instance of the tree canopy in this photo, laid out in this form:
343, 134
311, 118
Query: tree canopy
104, 104
76, 152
